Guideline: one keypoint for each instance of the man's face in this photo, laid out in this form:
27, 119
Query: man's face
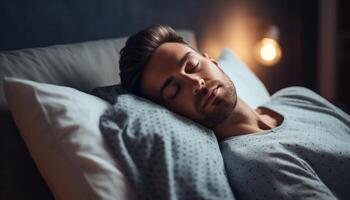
189, 84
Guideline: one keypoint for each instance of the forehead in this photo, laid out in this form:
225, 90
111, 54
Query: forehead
162, 64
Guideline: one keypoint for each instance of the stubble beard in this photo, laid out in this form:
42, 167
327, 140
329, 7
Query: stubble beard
226, 104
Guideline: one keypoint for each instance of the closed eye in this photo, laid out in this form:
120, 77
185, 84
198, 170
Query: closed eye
192, 65
196, 66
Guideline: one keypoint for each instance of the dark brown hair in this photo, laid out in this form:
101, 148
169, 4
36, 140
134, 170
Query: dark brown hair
138, 50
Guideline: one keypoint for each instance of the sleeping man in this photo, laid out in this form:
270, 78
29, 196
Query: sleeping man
296, 146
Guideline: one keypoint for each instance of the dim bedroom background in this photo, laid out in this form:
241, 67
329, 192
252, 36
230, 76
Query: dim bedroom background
52, 54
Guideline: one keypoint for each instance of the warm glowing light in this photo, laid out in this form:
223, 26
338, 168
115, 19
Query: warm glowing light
268, 52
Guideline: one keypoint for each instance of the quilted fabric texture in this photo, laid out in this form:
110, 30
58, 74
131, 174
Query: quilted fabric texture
165, 156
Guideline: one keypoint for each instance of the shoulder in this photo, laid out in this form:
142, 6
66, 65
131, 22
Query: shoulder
306, 99
296, 91
300, 97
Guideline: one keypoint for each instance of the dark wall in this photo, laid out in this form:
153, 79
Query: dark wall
343, 55
34, 23
298, 24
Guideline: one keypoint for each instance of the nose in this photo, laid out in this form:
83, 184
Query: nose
199, 86
197, 83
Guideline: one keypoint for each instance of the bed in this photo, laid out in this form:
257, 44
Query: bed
47, 87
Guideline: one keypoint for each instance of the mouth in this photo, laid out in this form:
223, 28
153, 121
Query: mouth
210, 96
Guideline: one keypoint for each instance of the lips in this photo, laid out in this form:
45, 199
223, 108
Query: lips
210, 96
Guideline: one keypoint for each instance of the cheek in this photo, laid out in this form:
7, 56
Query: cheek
211, 71
184, 106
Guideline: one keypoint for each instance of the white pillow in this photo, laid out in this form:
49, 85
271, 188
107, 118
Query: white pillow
248, 86
60, 127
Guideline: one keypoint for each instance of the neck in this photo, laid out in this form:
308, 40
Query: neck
245, 120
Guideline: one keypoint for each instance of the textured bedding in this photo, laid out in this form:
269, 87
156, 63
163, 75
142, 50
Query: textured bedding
165, 156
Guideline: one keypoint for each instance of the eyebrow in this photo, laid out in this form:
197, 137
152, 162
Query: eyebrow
170, 79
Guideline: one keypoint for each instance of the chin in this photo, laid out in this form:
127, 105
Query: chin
221, 109
219, 114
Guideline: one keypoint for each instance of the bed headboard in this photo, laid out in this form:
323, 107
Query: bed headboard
37, 23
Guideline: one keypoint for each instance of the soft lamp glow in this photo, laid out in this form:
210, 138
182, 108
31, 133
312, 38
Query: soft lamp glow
268, 52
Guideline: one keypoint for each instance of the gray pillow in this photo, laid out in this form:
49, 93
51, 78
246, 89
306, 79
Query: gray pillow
82, 66
165, 156
60, 126
248, 86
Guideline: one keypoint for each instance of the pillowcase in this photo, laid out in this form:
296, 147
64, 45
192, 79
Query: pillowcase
60, 127
165, 155
248, 85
